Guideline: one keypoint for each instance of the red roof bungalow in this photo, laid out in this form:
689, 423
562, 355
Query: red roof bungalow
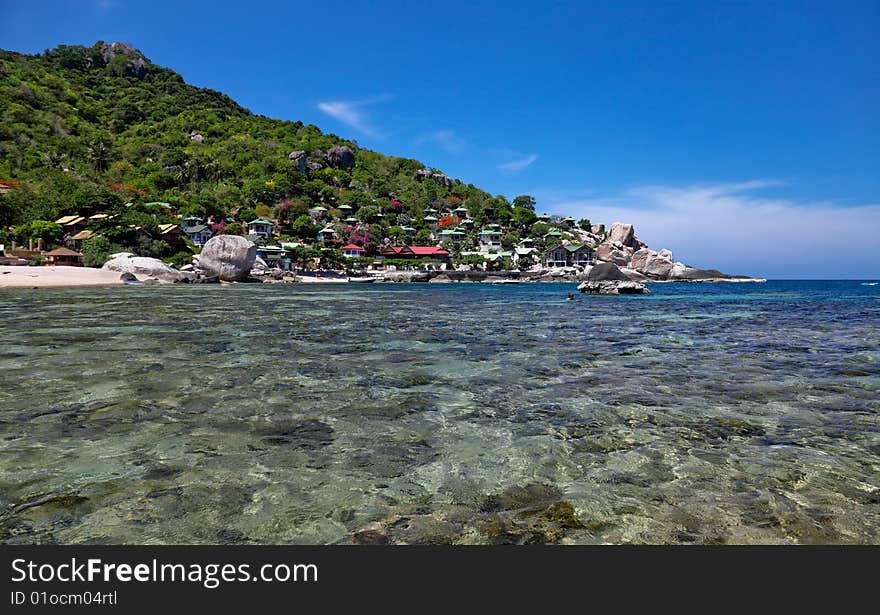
414, 252
352, 251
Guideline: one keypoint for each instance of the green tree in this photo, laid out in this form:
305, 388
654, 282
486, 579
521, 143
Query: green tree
526, 201
304, 228
539, 229
523, 217
96, 250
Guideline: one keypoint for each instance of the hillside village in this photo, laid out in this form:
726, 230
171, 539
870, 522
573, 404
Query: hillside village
336, 236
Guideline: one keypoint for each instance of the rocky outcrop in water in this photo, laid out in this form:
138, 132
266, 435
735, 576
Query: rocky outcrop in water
608, 279
613, 288
639, 263
230, 257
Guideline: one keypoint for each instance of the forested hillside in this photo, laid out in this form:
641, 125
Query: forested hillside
92, 129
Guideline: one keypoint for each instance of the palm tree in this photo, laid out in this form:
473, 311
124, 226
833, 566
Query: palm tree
54, 160
99, 155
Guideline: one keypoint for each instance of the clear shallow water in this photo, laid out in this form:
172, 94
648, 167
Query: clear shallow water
441, 414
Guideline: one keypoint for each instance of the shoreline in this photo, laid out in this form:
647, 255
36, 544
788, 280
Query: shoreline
62, 276
58, 276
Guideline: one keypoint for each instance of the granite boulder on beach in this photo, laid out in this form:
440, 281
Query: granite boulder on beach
229, 257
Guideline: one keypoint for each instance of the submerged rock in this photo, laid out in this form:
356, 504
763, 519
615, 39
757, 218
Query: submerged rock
613, 288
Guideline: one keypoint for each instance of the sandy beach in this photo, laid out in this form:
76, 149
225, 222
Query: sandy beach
48, 277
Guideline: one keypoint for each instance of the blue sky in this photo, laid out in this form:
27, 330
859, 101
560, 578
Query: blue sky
743, 136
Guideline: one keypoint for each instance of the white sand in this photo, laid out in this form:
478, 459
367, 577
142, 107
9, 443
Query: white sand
46, 277
326, 279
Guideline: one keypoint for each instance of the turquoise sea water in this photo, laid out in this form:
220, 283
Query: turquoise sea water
461, 413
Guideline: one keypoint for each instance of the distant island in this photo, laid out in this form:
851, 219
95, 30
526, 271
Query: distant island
104, 153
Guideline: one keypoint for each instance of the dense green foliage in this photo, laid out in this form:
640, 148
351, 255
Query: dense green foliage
88, 130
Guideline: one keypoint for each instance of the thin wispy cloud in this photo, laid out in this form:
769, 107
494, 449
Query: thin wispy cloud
518, 164
731, 227
447, 140
352, 113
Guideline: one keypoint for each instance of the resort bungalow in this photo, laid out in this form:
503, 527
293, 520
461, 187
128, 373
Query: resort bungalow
490, 241
524, 255
101, 217
72, 224
352, 251
64, 256
198, 234
580, 255
260, 227
433, 252
568, 256
74, 242
431, 221
557, 256
172, 235
275, 257
460, 212
451, 236
326, 234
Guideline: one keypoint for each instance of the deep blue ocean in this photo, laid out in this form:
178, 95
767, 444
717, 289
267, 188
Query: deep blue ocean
441, 413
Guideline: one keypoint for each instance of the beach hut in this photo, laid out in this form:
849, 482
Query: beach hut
64, 256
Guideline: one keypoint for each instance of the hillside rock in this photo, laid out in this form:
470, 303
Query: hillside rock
340, 157
135, 65
423, 174
623, 233
667, 254
301, 159
145, 267
230, 257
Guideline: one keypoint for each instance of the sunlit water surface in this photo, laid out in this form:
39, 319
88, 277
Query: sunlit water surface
463, 413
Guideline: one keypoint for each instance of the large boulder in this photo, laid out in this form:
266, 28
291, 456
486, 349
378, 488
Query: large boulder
146, 267
667, 254
623, 233
612, 254
230, 257
640, 258
301, 159
658, 267
340, 157
606, 272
